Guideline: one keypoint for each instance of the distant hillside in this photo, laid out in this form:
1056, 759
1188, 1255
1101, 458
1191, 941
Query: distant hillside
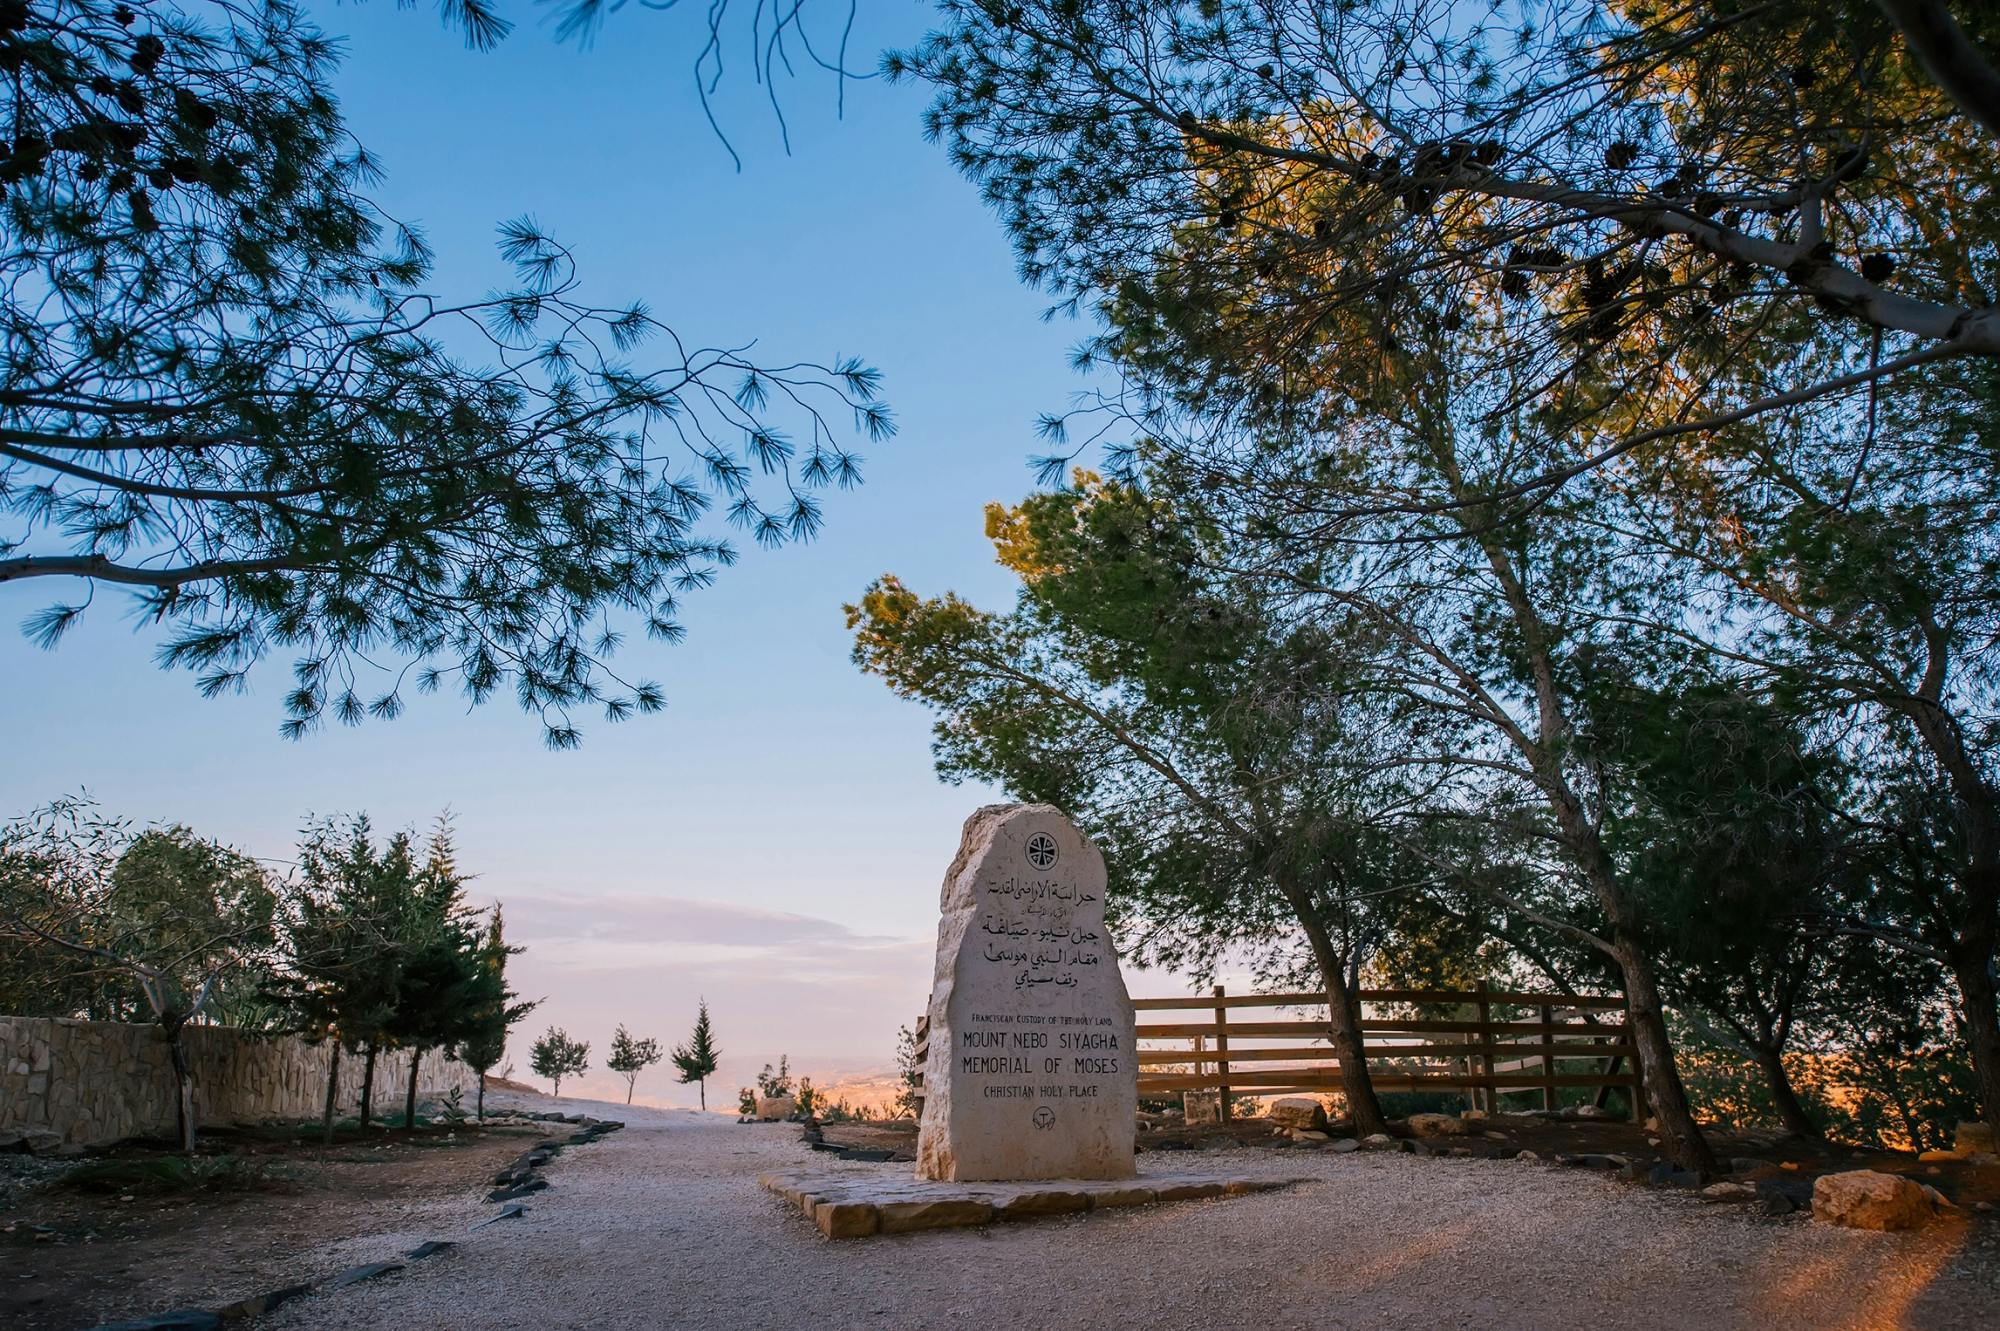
871, 1093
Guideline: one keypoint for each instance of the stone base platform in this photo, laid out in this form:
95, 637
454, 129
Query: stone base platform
855, 1203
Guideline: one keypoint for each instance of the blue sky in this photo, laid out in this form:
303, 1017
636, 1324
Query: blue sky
775, 840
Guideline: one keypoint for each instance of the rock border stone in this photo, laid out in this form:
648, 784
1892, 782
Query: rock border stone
849, 1204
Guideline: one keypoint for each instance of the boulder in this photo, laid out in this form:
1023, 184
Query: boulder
776, 1108
1201, 1106
1380, 1141
1031, 1072
1344, 1145
1437, 1125
1309, 1135
1975, 1139
1869, 1199
1299, 1111
1729, 1192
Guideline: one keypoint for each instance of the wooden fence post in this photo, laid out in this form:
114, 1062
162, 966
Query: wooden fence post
1548, 1057
920, 1053
1221, 1056
1486, 1048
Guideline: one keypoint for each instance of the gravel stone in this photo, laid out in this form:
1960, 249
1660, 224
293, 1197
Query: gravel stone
665, 1226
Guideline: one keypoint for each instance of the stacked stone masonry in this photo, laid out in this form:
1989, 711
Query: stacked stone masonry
93, 1082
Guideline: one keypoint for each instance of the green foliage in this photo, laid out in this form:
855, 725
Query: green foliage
1672, 514
773, 1083
102, 922
490, 1010
1898, 1100
556, 1056
697, 1059
228, 390
746, 1102
630, 1057
151, 926
909, 1074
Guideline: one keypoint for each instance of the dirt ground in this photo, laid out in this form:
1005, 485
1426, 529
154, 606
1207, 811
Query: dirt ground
73, 1259
1777, 1155
663, 1226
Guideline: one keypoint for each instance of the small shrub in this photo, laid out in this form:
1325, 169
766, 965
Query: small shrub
1402, 1104
773, 1083
158, 1176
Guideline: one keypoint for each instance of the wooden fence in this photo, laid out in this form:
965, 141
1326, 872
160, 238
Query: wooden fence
1486, 1042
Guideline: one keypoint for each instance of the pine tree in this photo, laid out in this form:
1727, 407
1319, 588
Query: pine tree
490, 1009
344, 952
698, 1057
232, 336
443, 971
556, 1056
630, 1057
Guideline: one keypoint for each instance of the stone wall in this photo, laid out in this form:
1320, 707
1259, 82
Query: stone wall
97, 1082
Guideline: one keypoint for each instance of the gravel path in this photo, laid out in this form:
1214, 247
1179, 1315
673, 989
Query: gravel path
663, 1225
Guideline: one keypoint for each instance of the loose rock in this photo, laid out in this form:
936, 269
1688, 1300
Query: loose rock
1869, 1199
1299, 1111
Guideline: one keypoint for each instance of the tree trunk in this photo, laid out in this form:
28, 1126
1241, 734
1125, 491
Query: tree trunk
1791, 1111
1972, 967
1355, 1082
183, 1088
628, 1089
1580, 836
367, 1085
557, 1093
481, 1111
1643, 1014
701, 1088
332, 1091
410, 1094
1971, 949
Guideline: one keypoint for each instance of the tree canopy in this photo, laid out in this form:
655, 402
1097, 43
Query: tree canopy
229, 391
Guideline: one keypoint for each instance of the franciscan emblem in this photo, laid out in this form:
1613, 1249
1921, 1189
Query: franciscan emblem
1042, 851
1045, 1117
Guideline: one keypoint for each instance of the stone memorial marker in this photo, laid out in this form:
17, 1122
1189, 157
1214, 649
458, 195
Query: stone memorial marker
1031, 1072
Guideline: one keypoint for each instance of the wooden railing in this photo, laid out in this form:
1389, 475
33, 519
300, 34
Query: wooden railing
1409, 1041
1413, 1039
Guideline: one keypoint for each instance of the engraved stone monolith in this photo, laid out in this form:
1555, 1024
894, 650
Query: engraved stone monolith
1031, 1072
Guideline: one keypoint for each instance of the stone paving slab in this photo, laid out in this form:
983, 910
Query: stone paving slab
851, 1203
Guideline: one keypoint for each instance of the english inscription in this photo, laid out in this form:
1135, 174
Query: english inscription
1031, 1073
